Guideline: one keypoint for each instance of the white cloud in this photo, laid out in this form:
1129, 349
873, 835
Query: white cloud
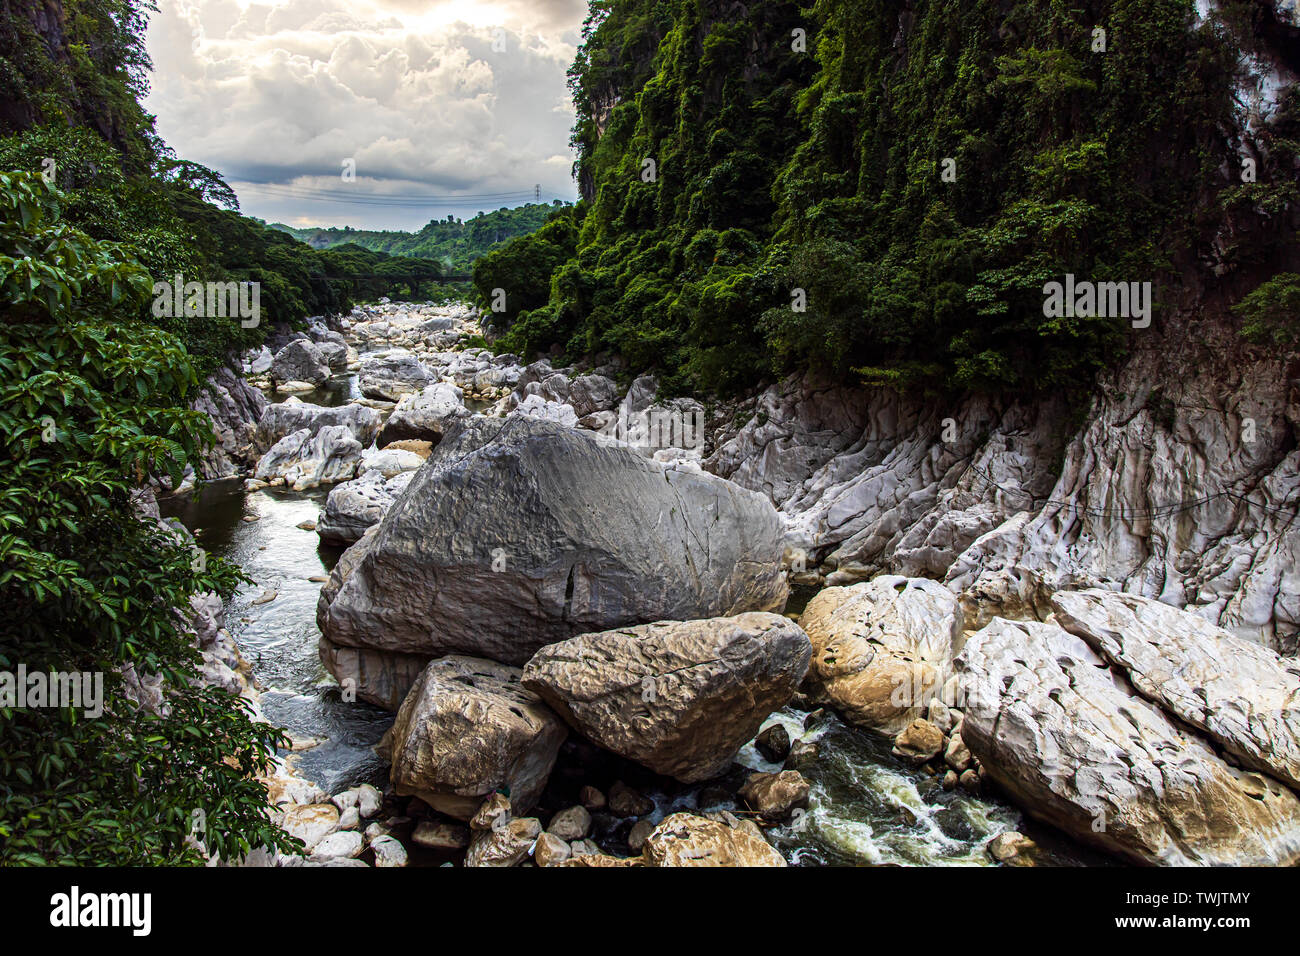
277, 95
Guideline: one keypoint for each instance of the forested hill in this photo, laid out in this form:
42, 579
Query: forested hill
914, 172
457, 244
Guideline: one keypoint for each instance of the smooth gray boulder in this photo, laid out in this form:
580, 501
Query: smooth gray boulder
592, 393
306, 461
284, 418
425, 415
1242, 695
679, 697
534, 406
1071, 741
390, 462
300, 361
335, 354
518, 533
391, 374
381, 678
357, 505
258, 361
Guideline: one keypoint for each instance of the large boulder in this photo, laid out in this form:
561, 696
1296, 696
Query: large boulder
379, 677
679, 697
285, 418
1075, 746
334, 353
306, 461
468, 729
592, 393
425, 415
382, 678
534, 406
258, 361
390, 462
300, 361
518, 533
355, 506
882, 649
1241, 694
392, 374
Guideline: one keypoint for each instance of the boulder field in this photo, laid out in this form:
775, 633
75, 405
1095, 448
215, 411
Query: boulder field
519, 582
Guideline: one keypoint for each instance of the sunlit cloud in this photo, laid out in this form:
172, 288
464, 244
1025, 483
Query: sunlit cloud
454, 98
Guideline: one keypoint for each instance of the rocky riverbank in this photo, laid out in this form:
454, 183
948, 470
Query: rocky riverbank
554, 570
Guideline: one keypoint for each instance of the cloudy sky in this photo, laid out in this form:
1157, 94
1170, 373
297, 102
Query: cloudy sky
438, 107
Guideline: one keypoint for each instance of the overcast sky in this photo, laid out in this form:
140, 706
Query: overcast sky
417, 93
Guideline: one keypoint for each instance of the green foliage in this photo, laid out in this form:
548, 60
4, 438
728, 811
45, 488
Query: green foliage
92, 403
522, 269
79, 64
172, 224
69, 107
825, 171
1272, 311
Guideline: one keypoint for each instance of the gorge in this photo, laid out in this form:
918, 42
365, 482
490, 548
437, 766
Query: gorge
786, 507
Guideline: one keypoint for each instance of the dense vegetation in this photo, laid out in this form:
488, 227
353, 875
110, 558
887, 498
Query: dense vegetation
94, 395
781, 175
92, 403
456, 244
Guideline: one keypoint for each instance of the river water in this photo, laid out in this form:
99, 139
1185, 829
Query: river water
867, 807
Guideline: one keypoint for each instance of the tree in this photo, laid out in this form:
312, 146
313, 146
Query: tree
92, 403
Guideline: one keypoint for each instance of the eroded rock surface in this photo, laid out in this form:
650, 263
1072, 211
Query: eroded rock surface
234, 407
1245, 697
468, 729
882, 649
685, 839
425, 415
1078, 748
300, 361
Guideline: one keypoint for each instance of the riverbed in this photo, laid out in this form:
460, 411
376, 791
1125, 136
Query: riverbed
867, 807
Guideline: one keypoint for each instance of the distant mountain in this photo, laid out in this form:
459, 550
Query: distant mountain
455, 243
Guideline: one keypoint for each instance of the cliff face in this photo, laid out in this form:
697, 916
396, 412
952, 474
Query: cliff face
80, 65
1182, 484
1180, 481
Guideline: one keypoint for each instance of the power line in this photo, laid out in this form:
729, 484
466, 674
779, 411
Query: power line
399, 203
276, 190
407, 276
298, 187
